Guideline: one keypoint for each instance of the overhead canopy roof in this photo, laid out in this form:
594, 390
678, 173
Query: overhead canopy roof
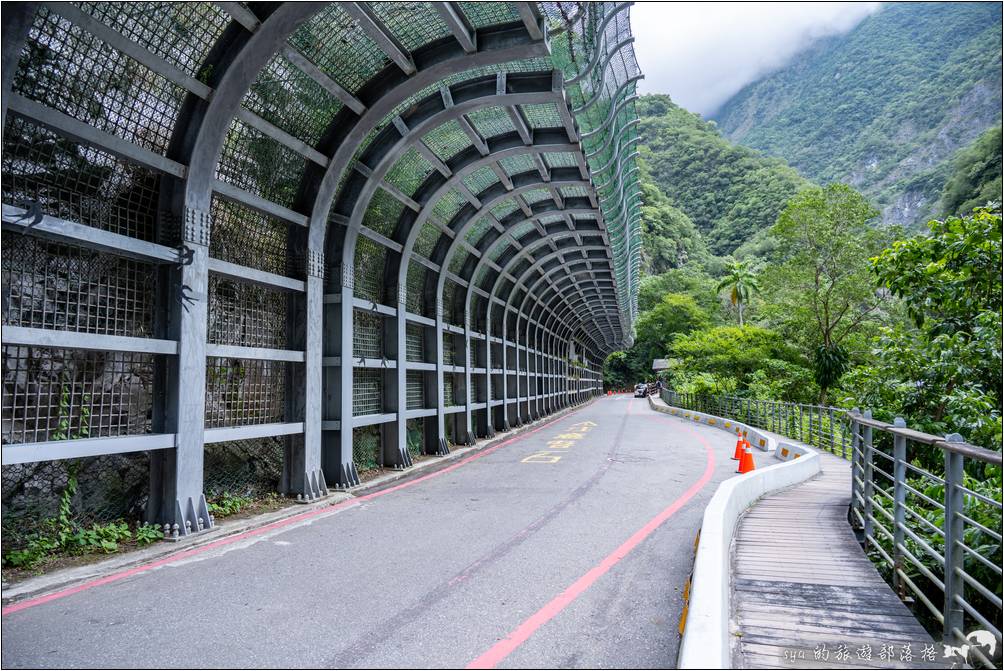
472, 138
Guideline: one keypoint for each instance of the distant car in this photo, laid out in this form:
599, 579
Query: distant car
640, 390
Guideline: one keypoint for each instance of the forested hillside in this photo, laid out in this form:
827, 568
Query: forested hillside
885, 107
726, 191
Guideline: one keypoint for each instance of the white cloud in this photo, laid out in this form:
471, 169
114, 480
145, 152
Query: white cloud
702, 53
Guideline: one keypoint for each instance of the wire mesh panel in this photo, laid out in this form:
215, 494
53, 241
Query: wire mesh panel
415, 302
70, 288
70, 70
426, 240
254, 162
416, 389
77, 183
182, 33
109, 487
338, 45
449, 349
370, 264
414, 436
249, 238
448, 396
367, 335
409, 172
367, 392
59, 394
242, 313
415, 342
248, 468
285, 96
414, 23
242, 392
482, 14
367, 454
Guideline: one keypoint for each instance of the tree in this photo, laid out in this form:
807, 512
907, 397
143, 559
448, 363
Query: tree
729, 358
688, 280
675, 314
944, 372
821, 290
741, 281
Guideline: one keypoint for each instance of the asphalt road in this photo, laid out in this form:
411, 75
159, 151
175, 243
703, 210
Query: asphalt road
567, 547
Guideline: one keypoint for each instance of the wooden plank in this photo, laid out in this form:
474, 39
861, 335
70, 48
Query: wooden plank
782, 598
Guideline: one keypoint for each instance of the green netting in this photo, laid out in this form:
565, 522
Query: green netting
447, 140
504, 208
475, 232
544, 115
448, 206
522, 229
573, 192
560, 159
481, 179
427, 239
513, 165
413, 23
409, 172
370, 262
536, 196
285, 96
491, 121
337, 45
482, 14
383, 213
588, 46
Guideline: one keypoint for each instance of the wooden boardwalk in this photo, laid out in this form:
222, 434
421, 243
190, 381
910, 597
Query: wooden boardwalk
806, 596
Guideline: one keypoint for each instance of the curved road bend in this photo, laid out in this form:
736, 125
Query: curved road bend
566, 547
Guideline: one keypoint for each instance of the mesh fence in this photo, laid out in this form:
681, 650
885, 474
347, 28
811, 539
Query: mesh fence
109, 487
250, 468
55, 394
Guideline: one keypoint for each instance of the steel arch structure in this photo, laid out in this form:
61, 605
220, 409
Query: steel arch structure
335, 230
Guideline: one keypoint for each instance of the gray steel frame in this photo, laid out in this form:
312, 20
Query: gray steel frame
319, 414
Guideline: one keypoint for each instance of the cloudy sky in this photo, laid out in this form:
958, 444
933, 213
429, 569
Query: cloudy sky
702, 53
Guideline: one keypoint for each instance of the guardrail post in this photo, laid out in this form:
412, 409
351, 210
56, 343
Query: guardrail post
833, 444
801, 422
856, 464
867, 478
898, 506
953, 528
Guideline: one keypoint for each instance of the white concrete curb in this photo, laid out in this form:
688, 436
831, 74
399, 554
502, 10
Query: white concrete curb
706, 643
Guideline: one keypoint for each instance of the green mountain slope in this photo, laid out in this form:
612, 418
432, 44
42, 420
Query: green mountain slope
728, 192
884, 107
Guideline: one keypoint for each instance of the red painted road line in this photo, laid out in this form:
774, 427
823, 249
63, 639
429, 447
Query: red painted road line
498, 652
37, 601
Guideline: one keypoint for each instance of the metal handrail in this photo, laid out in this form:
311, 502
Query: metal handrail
945, 560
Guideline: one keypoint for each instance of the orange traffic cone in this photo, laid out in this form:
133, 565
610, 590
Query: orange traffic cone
739, 447
746, 461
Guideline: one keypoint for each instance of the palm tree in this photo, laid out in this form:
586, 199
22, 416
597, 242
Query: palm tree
741, 281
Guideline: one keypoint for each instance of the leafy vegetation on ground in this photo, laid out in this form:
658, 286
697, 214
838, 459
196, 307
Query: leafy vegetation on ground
64, 536
884, 107
226, 504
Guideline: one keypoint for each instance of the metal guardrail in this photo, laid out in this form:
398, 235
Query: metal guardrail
928, 508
